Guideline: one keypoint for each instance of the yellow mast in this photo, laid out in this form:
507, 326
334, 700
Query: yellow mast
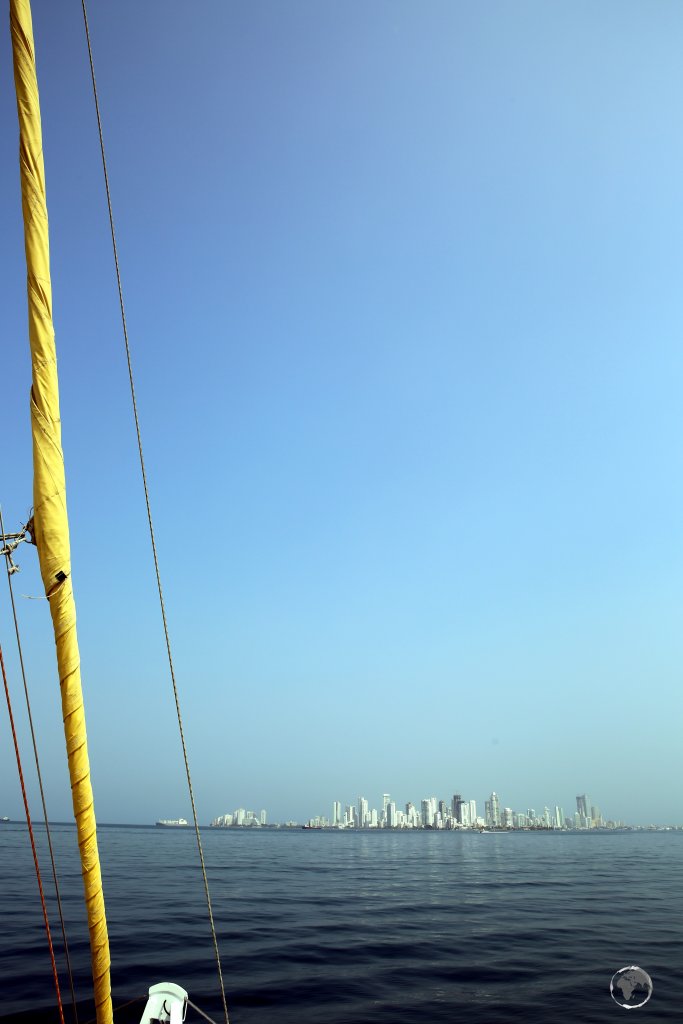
51, 527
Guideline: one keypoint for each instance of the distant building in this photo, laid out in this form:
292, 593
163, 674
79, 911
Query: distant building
583, 806
492, 809
412, 816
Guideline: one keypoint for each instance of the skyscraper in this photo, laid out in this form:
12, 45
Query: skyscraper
494, 809
412, 815
583, 806
456, 807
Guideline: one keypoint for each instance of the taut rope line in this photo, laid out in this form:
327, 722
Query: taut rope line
33, 842
3, 537
149, 512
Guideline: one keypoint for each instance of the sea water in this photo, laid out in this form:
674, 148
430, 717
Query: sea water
354, 927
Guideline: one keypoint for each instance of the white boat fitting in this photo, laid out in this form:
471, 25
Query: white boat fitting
167, 1004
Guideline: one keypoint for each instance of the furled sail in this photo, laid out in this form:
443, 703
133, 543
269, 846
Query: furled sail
51, 528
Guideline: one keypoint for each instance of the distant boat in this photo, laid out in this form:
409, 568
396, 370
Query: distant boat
172, 823
4, 819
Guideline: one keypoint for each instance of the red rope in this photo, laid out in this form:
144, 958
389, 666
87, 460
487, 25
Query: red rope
33, 843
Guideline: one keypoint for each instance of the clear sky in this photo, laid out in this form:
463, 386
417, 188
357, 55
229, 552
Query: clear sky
404, 293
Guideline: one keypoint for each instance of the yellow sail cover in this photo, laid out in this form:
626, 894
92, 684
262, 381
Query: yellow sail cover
49, 496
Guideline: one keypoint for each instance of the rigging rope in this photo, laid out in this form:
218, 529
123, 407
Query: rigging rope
33, 842
138, 999
3, 537
201, 1012
149, 511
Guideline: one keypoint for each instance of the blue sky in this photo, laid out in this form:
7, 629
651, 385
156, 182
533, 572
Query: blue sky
403, 288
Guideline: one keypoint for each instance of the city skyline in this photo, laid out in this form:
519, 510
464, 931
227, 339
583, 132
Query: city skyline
433, 813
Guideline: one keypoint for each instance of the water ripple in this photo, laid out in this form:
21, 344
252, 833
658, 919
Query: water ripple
363, 928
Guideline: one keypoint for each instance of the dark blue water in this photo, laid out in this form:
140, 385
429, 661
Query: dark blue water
349, 928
